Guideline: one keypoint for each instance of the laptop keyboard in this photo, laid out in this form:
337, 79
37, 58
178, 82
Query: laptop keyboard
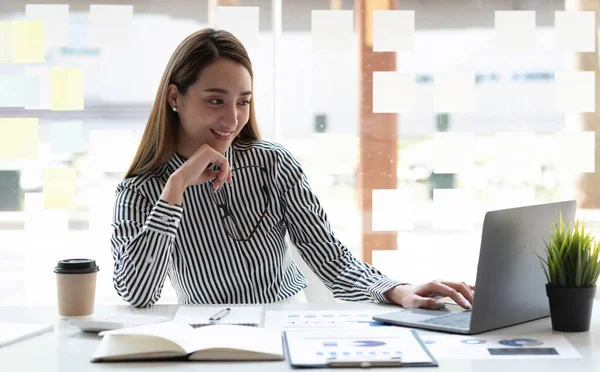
454, 320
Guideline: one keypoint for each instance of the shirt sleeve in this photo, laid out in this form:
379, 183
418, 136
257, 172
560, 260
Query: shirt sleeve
142, 244
310, 231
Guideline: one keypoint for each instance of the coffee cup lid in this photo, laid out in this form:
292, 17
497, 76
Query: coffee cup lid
76, 266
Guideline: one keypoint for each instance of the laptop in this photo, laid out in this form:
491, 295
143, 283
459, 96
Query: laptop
510, 285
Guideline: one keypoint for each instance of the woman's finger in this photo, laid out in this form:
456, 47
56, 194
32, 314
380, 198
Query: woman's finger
221, 161
223, 175
224, 171
216, 184
443, 289
463, 288
414, 300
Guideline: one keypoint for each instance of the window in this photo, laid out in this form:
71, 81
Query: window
481, 132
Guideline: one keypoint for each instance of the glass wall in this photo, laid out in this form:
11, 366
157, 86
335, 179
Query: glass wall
487, 99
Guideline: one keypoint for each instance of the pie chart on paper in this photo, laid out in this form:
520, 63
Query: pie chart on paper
367, 343
521, 342
473, 341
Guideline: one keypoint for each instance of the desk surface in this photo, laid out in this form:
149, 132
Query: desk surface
67, 349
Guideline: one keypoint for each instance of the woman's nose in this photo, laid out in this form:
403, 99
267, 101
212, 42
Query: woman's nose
230, 117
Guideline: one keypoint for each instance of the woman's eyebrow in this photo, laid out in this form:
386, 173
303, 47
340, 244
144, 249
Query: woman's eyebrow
223, 91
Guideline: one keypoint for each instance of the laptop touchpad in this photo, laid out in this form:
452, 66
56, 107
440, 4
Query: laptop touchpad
415, 315
422, 314
428, 312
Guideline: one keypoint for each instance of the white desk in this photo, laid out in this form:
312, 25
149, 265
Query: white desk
67, 349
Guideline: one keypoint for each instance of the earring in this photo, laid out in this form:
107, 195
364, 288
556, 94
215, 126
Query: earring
175, 109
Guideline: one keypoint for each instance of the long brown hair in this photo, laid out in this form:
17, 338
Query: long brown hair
197, 51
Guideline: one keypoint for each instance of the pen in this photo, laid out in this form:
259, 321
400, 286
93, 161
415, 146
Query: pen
220, 315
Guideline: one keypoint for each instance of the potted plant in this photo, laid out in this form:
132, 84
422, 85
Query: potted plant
572, 267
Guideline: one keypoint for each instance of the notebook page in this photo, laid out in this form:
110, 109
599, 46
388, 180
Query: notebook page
177, 333
114, 347
199, 315
231, 342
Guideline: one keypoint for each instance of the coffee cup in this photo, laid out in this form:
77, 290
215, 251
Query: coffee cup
76, 287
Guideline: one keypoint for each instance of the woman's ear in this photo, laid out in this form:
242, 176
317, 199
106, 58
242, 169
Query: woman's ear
173, 96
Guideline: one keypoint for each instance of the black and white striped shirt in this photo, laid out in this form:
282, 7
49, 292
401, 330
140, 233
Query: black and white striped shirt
269, 195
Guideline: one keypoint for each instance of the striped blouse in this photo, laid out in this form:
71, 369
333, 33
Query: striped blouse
229, 246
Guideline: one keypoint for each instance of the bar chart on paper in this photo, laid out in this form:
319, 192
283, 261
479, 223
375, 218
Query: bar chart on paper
289, 320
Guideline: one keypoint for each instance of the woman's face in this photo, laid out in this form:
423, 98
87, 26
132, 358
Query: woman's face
216, 107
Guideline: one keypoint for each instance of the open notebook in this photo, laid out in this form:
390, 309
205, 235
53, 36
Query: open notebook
179, 340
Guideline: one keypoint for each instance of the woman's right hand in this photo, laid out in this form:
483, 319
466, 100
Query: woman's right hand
195, 171
410, 296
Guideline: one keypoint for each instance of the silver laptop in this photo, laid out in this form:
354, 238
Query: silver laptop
510, 286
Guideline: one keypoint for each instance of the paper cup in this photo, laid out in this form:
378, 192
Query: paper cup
76, 287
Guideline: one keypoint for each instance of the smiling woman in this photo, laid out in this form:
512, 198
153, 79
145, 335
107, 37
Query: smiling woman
209, 113
209, 204
192, 95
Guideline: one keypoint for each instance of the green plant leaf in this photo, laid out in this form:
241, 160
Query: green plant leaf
552, 269
544, 265
572, 255
579, 268
586, 276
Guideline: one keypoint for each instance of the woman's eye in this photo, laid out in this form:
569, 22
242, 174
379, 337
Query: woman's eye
218, 101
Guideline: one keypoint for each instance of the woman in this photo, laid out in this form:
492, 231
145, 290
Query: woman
208, 203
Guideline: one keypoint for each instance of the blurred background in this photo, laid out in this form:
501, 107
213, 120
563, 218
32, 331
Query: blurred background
411, 118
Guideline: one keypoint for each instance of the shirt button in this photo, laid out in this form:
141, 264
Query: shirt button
164, 219
150, 260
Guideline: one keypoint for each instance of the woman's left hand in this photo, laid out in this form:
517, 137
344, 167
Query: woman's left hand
411, 296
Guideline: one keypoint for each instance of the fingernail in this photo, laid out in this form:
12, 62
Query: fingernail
440, 305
